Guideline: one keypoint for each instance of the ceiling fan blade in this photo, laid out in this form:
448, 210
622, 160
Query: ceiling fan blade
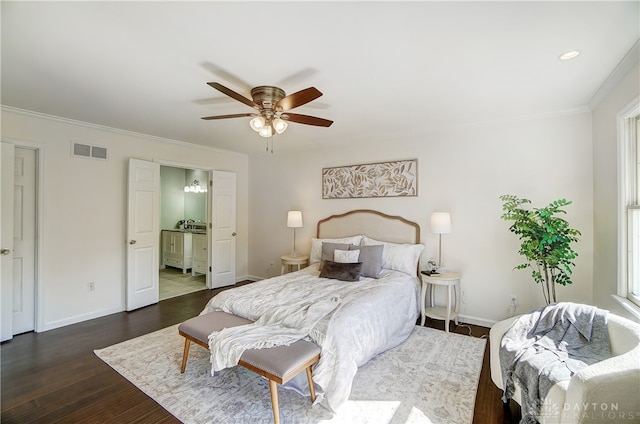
299, 98
306, 119
229, 92
235, 115
297, 77
226, 75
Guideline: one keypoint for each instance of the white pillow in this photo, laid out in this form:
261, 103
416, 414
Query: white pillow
346, 256
398, 256
316, 246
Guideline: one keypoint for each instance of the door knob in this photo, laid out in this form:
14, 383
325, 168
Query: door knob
4, 251
132, 242
233, 234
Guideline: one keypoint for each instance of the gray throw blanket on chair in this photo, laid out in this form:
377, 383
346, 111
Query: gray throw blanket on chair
548, 345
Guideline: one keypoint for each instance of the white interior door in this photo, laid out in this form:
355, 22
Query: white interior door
7, 154
223, 231
24, 240
143, 237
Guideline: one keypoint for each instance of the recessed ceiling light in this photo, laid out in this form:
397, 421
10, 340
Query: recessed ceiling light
569, 55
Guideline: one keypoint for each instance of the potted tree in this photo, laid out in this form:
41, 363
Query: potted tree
545, 241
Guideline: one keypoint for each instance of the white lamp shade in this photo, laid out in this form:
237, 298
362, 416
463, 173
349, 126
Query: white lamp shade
294, 219
440, 222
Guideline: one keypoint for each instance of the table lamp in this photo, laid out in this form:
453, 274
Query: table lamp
440, 224
294, 220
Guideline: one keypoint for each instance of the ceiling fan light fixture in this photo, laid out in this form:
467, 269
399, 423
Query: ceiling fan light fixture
270, 103
257, 123
266, 131
280, 125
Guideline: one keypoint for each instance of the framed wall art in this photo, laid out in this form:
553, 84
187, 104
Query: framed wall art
384, 179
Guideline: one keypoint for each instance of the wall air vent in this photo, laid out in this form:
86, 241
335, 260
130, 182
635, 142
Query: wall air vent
88, 151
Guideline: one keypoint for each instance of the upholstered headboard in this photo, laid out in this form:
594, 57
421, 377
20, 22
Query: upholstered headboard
374, 224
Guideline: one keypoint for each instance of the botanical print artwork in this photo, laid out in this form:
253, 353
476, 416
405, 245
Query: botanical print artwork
384, 179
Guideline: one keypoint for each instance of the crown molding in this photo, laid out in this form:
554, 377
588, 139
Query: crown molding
619, 72
40, 115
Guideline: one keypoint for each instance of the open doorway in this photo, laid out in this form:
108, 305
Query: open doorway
183, 235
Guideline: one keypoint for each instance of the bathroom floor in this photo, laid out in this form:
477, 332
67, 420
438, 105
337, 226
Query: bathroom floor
174, 283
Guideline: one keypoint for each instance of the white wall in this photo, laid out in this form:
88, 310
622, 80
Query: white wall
605, 169
461, 170
84, 206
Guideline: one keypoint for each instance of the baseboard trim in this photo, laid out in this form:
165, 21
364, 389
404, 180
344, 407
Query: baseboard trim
78, 318
249, 277
476, 321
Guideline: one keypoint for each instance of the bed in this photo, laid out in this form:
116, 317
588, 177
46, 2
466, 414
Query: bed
367, 317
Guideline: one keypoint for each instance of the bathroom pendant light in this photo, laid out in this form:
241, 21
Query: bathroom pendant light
195, 187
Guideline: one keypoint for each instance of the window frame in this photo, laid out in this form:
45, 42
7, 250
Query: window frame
628, 198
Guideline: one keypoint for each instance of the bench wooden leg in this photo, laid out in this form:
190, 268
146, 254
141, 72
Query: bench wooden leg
273, 387
185, 354
312, 389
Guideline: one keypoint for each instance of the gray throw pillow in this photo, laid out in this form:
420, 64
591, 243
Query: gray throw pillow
371, 258
341, 271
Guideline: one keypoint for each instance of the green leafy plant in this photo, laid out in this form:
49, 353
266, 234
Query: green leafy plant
545, 241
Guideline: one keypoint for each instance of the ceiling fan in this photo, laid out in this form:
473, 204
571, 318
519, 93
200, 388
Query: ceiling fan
272, 106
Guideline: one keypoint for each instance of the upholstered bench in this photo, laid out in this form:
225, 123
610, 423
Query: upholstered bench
278, 364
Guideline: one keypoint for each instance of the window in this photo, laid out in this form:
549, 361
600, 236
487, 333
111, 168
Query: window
633, 212
629, 195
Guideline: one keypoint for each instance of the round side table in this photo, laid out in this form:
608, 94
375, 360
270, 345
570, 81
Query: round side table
450, 280
288, 261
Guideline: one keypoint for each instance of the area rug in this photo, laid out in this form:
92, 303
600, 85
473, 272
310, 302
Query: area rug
430, 378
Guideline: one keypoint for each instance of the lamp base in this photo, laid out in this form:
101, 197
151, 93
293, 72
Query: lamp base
293, 250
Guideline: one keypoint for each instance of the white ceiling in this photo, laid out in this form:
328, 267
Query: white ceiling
387, 69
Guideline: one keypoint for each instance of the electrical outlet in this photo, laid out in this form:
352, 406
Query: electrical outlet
513, 304
92, 286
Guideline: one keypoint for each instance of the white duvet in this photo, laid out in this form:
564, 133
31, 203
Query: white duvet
371, 317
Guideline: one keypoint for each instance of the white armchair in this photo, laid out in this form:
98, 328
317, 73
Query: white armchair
608, 391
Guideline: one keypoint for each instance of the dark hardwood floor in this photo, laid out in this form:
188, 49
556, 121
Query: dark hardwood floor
489, 408
54, 377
